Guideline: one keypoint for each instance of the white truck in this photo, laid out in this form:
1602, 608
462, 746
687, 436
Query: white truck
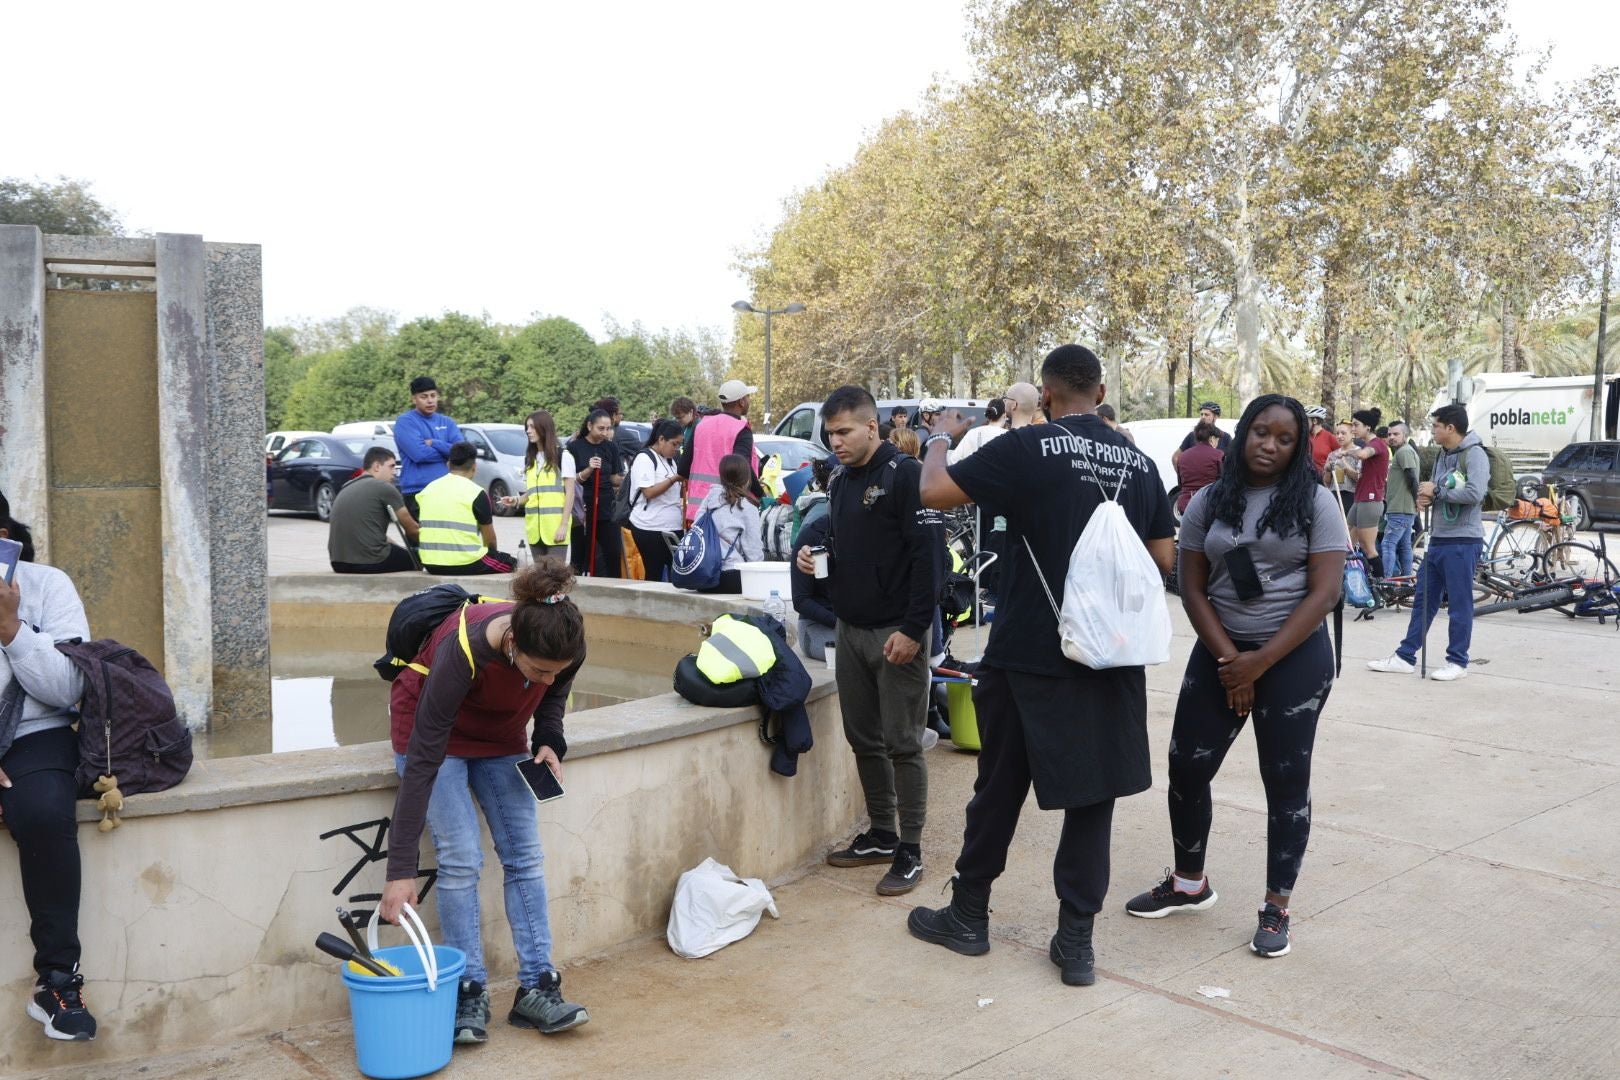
1531, 417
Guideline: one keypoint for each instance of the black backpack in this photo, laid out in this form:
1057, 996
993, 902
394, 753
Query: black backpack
414, 620
625, 501
128, 726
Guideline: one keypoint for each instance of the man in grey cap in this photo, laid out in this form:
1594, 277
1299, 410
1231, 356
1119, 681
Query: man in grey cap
715, 436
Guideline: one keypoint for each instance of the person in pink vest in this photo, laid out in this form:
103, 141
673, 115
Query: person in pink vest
715, 436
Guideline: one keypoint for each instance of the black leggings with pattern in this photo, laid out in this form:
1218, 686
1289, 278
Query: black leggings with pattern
1287, 701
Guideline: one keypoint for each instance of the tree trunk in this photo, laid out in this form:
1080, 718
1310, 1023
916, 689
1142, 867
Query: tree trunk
1512, 351
959, 376
1406, 396
1245, 302
1330, 343
1355, 372
1170, 397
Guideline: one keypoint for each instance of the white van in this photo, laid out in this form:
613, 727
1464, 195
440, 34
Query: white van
803, 421
366, 427
1530, 417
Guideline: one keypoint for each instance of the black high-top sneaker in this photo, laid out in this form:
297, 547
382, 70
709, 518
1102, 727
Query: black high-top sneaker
961, 926
1071, 947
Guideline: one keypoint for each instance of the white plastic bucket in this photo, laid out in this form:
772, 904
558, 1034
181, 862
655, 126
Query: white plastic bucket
759, 578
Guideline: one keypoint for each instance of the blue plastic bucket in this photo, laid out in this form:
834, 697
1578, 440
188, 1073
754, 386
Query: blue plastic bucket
401, 1029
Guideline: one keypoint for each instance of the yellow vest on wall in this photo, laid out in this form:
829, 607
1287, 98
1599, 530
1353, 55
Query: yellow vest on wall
734, 650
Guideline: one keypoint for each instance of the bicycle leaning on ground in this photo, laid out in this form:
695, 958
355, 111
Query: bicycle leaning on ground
1573, 576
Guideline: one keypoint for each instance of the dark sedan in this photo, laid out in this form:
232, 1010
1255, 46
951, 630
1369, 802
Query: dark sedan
1589, 474
307, 475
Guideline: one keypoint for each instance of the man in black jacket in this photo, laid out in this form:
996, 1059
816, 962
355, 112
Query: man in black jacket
885, 551
1078, 734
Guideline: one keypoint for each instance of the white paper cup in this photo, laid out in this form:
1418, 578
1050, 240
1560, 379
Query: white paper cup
831, 657
820, 558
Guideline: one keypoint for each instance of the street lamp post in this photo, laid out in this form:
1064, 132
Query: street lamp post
746, 308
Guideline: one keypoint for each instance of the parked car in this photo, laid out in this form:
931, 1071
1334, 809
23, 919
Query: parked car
276, 441
791, 453
1589, 473
366, 427
307, 475
501, 448
803, 421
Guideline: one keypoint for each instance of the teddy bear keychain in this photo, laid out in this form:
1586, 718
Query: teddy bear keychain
110, 803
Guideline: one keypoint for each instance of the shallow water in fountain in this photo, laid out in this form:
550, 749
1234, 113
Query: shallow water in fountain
324, 691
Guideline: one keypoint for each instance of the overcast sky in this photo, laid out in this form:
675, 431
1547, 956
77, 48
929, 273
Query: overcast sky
559, 158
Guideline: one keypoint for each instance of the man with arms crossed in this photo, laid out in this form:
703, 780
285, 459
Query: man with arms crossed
1078, 734
884, 563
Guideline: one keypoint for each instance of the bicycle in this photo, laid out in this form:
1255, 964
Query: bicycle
1517, 548
1572, 576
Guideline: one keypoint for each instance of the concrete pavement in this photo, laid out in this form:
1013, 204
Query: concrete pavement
1458, 916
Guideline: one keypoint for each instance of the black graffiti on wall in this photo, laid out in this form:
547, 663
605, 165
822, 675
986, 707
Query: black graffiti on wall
372, 850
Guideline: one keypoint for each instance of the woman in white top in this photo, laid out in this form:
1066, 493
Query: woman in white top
736, 521
995, 423
656, 494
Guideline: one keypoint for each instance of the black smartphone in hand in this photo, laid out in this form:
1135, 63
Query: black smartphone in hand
1245, 578
541, 780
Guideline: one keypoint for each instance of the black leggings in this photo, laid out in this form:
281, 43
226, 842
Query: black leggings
1287, 701
38, 808
609, 548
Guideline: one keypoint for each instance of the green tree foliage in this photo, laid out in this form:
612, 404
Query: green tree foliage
359, 367
66, 206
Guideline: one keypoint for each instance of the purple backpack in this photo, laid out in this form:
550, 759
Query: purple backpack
128, 726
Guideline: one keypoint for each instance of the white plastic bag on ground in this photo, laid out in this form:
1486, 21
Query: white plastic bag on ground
714, 907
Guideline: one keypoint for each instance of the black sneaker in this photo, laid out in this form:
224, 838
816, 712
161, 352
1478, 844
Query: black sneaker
1071, 948
904, 872
867, 849
961, 926
58, 1003
1271, 939
1164, 899
542, 1007
472, 1012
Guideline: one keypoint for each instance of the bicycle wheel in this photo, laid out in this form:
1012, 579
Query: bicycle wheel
1512, 562
1576, 558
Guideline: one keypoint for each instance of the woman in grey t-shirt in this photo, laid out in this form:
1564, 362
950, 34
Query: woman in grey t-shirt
1262, 559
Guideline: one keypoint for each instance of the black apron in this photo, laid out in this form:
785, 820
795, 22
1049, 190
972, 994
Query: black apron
1086, 732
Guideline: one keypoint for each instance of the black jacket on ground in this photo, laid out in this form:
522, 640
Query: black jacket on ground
887, 548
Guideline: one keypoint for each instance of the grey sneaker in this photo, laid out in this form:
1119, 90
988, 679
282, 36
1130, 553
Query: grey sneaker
1271, 938
542, 1007
472, 1012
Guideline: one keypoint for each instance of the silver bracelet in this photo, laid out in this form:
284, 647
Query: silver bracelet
934, 438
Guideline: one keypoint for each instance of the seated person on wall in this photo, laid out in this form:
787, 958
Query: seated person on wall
39, 688
361, 513
457, 528
459, 736
812, 598
736, 522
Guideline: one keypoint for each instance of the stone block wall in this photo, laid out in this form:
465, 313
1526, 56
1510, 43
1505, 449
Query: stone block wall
131, 438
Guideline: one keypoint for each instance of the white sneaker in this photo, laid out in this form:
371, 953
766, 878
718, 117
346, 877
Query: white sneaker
930, 738
1449, 673
1392, 662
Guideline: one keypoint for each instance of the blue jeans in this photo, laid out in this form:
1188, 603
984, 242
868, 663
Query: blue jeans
1396, 547
1446, 576
458, 844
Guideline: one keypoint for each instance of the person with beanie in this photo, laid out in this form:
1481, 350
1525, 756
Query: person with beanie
424, 437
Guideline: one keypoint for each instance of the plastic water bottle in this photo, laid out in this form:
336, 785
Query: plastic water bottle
775, 608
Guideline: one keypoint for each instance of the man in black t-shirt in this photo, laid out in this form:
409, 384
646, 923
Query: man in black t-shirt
1078, 734
1208, 413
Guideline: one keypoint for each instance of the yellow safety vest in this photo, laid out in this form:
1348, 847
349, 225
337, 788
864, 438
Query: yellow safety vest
770, 477
450, 535
543, 508
734, 650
